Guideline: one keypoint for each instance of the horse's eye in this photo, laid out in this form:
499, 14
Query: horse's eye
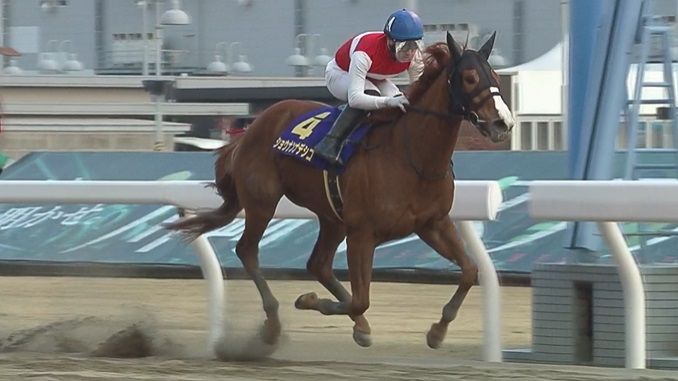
470, 80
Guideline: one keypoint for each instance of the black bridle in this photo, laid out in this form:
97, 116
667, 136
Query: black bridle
461, 104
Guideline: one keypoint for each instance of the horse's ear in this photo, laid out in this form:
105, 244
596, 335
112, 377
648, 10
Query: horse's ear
487, 46
454, 47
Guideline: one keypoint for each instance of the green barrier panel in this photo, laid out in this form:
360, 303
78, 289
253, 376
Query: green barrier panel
131, 234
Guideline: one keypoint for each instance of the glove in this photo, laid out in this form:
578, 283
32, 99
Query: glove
397, 101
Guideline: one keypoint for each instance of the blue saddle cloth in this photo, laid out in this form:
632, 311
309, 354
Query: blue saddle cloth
305, 132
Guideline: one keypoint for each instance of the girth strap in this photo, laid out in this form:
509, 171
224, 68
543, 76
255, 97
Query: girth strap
333, 193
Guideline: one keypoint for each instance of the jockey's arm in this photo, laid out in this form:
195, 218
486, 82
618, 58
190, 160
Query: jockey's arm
416, 67
357, 73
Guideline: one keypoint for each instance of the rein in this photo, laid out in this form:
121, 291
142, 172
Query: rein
468, 116
458, 108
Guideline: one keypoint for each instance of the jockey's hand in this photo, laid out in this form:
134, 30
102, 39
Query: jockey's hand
398, 101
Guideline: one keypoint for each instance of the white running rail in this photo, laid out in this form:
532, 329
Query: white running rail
606, 203
474, 201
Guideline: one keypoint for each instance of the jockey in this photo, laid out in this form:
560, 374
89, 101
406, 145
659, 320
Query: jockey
360, 72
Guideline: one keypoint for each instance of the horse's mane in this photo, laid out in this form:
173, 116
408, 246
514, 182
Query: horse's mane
436, 57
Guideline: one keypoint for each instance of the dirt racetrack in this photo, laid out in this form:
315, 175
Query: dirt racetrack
95, 329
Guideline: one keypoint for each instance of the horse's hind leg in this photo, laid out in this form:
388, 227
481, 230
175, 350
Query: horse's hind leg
442, 236
257, 218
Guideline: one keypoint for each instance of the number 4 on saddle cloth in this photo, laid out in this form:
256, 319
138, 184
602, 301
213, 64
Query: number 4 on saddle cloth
304, 133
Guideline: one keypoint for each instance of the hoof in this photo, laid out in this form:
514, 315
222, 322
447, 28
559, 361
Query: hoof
307, 301
364, 339
436, 335
270, 332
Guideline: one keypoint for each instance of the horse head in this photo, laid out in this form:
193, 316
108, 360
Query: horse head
473, 88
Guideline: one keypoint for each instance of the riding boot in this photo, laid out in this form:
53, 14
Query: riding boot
329, 147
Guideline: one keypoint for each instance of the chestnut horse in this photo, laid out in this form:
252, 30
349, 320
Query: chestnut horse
399, 182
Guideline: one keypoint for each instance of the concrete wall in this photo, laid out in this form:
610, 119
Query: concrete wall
578, 315
16, 144
74, 95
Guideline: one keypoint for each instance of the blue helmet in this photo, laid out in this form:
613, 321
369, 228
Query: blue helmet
404, 25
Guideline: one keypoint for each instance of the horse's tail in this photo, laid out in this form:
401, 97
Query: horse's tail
207, 221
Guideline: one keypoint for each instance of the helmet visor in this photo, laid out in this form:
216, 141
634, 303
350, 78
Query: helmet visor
405, 50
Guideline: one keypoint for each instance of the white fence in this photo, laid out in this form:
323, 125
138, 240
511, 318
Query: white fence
474, 201
606, 203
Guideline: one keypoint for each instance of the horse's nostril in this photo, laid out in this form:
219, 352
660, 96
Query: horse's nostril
500, 124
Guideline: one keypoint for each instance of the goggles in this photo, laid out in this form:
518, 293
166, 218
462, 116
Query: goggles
405, 50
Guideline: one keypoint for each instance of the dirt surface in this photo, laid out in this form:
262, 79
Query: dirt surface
139, 329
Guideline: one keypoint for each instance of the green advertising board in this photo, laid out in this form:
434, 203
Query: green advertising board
132, 234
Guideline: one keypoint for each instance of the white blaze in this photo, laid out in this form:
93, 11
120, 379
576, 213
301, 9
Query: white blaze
503, 110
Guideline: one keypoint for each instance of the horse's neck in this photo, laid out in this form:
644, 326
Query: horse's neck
431, 139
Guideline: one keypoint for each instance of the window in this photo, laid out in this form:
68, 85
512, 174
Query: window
642, 140
546, 132
51, 5
437, 32
668, 135
651, 133
543, 134
657, 134
559, 142
539, 132
525, 136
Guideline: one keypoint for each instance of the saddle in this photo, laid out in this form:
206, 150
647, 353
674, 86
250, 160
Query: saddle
305, 132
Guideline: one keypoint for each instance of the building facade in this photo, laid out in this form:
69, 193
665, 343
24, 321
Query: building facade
114, 37
107, 35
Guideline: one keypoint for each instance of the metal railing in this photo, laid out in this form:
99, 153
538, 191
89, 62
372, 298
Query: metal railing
130, 62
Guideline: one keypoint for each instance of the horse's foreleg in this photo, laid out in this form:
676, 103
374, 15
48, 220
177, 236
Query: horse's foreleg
320, 265
247, 249
442, 236
360, 255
